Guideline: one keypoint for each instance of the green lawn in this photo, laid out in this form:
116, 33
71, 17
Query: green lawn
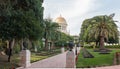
98, 60
35, 57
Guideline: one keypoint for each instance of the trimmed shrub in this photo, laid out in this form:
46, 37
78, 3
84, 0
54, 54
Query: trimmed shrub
110, 46
113, 46
86, 54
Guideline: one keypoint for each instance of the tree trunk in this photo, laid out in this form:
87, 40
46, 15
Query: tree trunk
101, 42
96, 43
52, 45
46, 44
21, 44
11, 44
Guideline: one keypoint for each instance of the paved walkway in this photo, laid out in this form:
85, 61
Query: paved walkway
57, 61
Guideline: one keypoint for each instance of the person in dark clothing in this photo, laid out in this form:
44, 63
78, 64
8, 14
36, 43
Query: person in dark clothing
70, 44
78, 44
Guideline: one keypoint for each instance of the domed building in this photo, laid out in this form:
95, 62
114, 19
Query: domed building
63, 24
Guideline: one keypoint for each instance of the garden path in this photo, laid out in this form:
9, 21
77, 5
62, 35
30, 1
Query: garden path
58, 61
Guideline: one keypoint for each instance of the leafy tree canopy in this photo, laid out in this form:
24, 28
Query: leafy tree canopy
21, 19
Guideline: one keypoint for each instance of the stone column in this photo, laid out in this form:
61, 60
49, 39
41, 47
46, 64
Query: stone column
25, 58
70, 59
62, 49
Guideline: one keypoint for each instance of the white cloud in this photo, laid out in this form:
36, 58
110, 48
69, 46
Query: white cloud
74, 14
77, 8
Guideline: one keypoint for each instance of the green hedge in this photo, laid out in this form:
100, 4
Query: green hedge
90, 46
113, 46
110, 46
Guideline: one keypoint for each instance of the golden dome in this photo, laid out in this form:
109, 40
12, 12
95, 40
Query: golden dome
60, 19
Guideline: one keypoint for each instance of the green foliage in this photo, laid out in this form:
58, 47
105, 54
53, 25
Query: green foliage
2, 45
21, 19
63, 39
112, 40
113, 46
16, 49
61, 43
50, 29
86, 53
35, 57
99, 29
95, 27
110, 46
37, 45
90, 47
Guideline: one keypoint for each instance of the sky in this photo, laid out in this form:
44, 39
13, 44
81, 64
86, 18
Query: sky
76, 11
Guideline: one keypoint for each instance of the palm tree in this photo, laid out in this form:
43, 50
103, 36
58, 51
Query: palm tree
85, 30
103, 27
99, 28
55, 37
50, 30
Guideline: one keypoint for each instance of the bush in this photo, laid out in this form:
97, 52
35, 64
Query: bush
61, 43
110, 46
113, 46
90, 47
16, 48
86, 54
